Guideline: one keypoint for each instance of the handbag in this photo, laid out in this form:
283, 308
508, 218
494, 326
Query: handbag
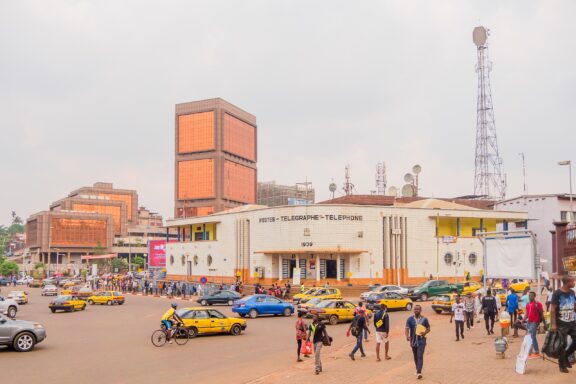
306, 348
553, 344
326, 340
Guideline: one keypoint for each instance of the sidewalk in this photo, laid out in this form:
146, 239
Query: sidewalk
472, 360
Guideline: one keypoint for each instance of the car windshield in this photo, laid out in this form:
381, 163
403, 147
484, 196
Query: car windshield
325, 304
64, 298
314, 301
375, 288
443, 298
50, 287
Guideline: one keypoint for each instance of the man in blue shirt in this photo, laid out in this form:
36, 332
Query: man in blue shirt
512, 306
417, 327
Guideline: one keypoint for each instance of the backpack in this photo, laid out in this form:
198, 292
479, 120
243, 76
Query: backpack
553, 344
354, 329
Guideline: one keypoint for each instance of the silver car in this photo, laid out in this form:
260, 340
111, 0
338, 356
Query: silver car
8, 307
22, 335
49, 290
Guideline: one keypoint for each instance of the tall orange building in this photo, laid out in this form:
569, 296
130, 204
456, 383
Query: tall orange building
216, 154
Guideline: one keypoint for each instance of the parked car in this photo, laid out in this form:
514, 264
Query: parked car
443, 303
49, 281
78, 291
201, 321
21, 335
4, 282
49, 290
433, 288
8, 307
35, 283
384, 288
24, 280
107, 297
323, 293
257, 305
307, 292
20, 297
392, 300
219, 297
67, 303
304, 307
335, 311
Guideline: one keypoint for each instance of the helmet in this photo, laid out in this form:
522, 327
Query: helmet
174, 305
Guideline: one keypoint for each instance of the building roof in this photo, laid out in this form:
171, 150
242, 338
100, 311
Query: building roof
400, 201
435, 204
561, 196
243, 208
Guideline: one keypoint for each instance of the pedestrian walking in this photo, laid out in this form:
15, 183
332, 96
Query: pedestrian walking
534, 315
457, 313
512, 306
317, 333
357, 328
382, 325
524, 300
563, 317
469, 309
417, 327
360, 310
301, 328
490, 310
478, 305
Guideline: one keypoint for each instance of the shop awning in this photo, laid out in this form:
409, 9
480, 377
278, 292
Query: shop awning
335, 250
100, 257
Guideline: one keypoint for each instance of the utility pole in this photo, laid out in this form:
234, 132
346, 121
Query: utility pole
523, 170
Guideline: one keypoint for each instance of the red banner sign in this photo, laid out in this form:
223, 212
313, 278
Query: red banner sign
157, 253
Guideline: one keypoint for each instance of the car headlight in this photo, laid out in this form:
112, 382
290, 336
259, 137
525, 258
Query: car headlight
38, 326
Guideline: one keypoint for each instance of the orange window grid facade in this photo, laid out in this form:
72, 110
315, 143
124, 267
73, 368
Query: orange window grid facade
196, 132
239, 182
103, 209
239, 138
195, 179
127, 199
78, 232
204, 211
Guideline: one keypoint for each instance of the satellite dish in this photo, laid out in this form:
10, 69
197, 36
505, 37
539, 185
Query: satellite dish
332, 187
408, 190
479, 36
392, 191
408, 178
416, 169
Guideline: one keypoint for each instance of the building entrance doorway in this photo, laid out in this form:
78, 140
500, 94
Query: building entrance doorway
331, 269
292, 265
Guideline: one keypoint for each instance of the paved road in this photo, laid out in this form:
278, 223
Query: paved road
111, 344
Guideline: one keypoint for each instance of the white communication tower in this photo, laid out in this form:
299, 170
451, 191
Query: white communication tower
381, 178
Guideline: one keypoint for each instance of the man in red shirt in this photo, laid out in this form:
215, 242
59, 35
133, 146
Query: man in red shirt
534, 315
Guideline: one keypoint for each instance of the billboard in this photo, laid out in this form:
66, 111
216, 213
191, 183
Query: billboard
157, 253
510, 257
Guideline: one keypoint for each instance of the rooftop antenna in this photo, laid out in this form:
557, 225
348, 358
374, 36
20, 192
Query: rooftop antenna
332, 187
348, 186
521, 154
489, 178
381, 179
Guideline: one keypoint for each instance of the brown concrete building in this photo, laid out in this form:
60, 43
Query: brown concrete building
96, 204
275, 195
62, 237
215, 157
107, 191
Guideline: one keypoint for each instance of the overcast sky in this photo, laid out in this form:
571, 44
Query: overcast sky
88, 88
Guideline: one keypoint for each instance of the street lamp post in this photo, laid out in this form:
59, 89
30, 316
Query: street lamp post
569, 164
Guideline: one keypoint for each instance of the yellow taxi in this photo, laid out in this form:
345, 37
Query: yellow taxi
67, 303
306, 293
68, 284
203, 321
501, 294
394, 300
335, 311
470, 287
443, 303
107, 297
325, 294
304, 307
518, 285
78, 291
20, 297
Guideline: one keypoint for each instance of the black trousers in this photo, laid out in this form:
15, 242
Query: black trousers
299, 341
469, 319
489, 318
566, 329
459, 328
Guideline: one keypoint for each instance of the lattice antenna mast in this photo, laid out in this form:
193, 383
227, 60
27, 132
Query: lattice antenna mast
381, 179
489, 178
348, 186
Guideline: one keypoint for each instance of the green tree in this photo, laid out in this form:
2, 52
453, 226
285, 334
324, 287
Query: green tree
139, 261
39, 265
8, 268
119, 263
99, 249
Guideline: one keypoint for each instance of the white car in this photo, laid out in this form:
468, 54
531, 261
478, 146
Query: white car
20, 297
24, 280
49, 290
8, 307
384, 288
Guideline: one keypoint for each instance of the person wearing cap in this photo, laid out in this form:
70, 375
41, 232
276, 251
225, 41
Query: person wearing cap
417, 327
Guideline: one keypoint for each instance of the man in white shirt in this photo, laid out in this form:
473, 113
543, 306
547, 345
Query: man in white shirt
457, 313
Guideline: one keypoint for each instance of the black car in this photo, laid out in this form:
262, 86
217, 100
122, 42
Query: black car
219, 297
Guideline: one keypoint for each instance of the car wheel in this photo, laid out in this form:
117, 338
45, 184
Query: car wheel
24, 342
192, 332
253, 313
110, 302
83, 307
408, 306
230, 302
424, 297
287, 312
91, 302
12, 312
204, 303
236, 330
438, 311
333, 320
53, 310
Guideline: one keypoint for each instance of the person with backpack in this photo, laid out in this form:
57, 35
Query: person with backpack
563, 318
417, 327
534, 316
317, 332
382, 324
357, 328
490, 309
